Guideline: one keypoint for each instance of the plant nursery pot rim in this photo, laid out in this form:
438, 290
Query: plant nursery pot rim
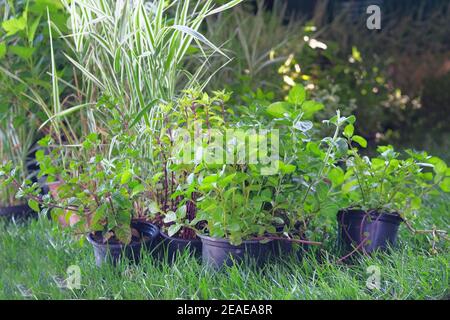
391, 217
226, 242
91, 239
165, 236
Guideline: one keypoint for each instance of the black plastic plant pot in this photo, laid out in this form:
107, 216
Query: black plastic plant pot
284, 247
218, 252
113, 253
175, 246
366, 232
20, 211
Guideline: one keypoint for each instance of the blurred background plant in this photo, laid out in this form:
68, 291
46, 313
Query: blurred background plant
25, 81
414, 49
251, 34
385, 77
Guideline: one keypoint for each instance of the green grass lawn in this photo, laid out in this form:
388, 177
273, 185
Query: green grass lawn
34, 256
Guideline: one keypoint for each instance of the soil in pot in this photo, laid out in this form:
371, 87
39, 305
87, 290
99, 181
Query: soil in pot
114, 251
172, 246
19, 211
219, 252
366, 232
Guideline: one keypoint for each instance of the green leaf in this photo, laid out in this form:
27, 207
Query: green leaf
336, 176
445, 185
360, 140
303, 126
153, 207
234, 227
143, 112
350, 186
137, 189
310, 108
322, 191
349, 130
41, 6
126, 177
14, 25
45, 142
123, 216
210, 179
157, 176
329, 209
223, 182
23, 52
198, 36
2, 50
297, 95
277, 220
99, 215
33, 204
278, 109
416, 203
170, 217
33, 28
226, 6
173, 229
440, 166
67, 112
427, 176
120, 201
236, 238
341, 147
181, 212
351, 119
286, 168
92, 137
123, 233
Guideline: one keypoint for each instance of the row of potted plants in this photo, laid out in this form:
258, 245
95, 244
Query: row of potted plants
121, 199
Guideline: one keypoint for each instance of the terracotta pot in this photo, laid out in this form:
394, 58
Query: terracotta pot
53, 188
73, 219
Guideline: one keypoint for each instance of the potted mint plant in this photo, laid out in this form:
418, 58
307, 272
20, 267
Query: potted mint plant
174, 198
254, 214
238, 224
381, 192
104, 194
